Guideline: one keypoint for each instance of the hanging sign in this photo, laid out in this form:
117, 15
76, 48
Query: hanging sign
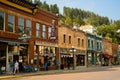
53, 31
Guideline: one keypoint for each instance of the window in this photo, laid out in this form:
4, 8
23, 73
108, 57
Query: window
88, 43
82, 42
78, 41
28, 27
20, 25
100, 46
49, 32
1, 20
10, 23
44, 31
38, 30
92, 44
64, 38
97, 45
69, 39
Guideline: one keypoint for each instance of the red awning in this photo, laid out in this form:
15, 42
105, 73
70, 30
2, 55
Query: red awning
105, 55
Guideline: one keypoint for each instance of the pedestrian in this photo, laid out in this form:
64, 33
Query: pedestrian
16, 67
11, 67
68, 64
46, 63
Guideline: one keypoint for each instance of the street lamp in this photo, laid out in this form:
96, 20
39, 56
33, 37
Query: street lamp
37, 57
73, 50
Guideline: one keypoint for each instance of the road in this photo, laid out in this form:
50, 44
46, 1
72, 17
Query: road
106, 74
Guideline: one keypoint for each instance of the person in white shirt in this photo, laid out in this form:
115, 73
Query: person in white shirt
16, 67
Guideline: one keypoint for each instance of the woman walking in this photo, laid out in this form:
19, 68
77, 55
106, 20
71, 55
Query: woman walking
16, 67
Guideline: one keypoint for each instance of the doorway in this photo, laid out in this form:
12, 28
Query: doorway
15, 57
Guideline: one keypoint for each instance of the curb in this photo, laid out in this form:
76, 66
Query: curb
55, 72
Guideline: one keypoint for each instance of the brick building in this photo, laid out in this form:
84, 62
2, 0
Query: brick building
27, 34
107, 51
115, 53
70, 38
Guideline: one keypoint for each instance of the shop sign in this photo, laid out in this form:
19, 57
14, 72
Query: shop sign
53, 31
13, 44
46, 44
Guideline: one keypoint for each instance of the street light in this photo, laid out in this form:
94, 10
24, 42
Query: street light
73, 50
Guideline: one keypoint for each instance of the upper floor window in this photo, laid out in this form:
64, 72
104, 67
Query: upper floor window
1, 20
64, 38
69, 39
97, 45
92, 44
78, 41
49, 32
82, 42
20, 25
38, 30
10, 23
88, 43
44, 31
100, 46
28, 27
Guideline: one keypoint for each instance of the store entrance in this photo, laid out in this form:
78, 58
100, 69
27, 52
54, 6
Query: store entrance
3, 54
15, 57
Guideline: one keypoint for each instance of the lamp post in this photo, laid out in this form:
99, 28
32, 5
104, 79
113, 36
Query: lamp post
73, 50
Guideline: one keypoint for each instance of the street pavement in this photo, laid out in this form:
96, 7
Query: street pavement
51, 72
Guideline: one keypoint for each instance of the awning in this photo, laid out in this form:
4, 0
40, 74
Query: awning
105, 55
64, 50
12, 41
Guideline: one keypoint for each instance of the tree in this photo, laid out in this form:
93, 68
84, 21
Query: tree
39, 4
45, 6
54, 9
68, 21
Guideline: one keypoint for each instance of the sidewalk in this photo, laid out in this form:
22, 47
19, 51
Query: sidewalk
6, 76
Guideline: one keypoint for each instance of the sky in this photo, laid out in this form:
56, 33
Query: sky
109, 8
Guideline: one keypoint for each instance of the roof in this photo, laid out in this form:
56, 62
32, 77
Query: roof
21, 5
24, 3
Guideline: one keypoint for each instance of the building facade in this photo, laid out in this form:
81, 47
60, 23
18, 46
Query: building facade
27, 34
68, 39
107, 52
94, 50
115, 58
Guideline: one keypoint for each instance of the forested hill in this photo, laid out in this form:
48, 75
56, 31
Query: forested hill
74, 16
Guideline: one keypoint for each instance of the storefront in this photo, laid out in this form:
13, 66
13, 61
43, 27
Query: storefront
45, 52
12, 50
65, 57
94, 58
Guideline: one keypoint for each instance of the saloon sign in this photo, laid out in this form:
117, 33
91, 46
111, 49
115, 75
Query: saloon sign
53, 31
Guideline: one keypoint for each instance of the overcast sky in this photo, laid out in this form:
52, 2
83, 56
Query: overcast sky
109, 8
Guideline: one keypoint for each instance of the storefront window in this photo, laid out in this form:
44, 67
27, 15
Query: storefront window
89, 58
10, 23
1, 20
13, 49
47, 53
20, 25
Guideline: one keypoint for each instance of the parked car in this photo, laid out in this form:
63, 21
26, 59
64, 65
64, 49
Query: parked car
28, 68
